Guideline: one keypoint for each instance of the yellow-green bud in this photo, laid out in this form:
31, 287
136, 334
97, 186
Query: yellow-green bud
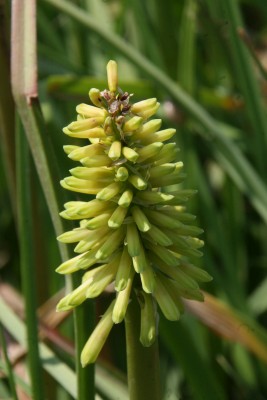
86, 134
149, 151
140, 219
132, 124
133, 240
167, 305
159, 237
109, 191
98, 338
124, 270
114, 241
117, 217
96, 161
148, 279
79, 153
99, 221
95, 97
143, 105
115, 150
112, 74
68, 148
138, 182
88, 111
122, 174
126, 198
130, 154
85, 124
140, 262
122, 300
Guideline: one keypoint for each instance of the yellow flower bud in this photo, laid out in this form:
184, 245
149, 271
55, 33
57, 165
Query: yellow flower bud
115, 150
126, 198
86, 134
78, 153
148, 279
130, 154
95, 97
122, 174
112, 73
88, 111
96, 161
109, 191
117, 217
138, 182
140, 261
140, 219
99, 221
132, 124
124, 270
85, 124
113, 242
70, 148
143, 105
133, 240
165, 301
159, 237
122, 300
149, 151
98, 338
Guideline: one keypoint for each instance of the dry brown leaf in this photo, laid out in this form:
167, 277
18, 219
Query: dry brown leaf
227, 323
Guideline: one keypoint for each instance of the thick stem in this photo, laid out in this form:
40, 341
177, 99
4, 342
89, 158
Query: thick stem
142, 362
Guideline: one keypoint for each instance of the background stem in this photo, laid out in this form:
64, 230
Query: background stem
142, 362
27, 266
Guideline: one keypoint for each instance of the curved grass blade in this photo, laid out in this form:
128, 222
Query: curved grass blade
58, 370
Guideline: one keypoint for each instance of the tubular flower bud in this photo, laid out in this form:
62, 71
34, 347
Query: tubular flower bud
136, 232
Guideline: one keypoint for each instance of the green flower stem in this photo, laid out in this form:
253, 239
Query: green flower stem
142, 362
27, 260
240, 170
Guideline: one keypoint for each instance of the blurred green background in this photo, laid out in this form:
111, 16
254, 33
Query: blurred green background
206, 62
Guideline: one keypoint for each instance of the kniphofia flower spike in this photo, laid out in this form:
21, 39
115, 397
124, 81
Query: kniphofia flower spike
135, 233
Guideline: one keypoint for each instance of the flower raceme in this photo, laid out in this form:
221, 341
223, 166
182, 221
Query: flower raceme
135, 233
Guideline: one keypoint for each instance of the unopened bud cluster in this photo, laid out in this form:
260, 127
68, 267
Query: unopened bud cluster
135, 233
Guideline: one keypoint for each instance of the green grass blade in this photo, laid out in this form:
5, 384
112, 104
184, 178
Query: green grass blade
202, 379
248, 84
187, 36
106, 383
258, 300
18, 380
7, 131
58, 370
27, 266
8, 365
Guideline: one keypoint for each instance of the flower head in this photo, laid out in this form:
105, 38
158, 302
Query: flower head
136, 232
